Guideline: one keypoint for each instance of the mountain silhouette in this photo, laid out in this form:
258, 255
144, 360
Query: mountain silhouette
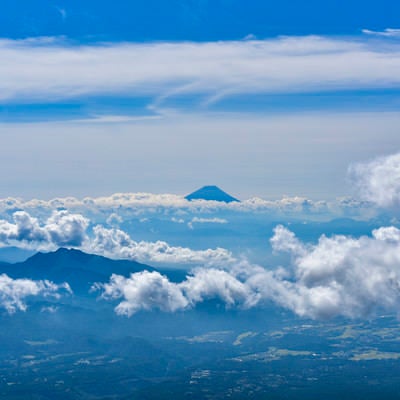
81, 270
211, 193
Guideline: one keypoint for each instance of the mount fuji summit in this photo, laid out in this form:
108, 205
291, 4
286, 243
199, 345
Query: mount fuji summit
211, 193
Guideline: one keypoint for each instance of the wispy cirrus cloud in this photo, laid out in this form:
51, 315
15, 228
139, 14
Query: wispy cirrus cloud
388, 32
61, 70
201, 220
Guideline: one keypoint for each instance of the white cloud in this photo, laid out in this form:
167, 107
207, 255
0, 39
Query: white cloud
151, 290
60, 229
378, 181
149, 202
388, 32
58, 69
215, 283
143, 291
342, 275
15, 292
286, 241
338, 276
177, 220
250, 36
114, 220
63, 229
24, 228
200, 220
214, 220
49, 309
67, 229
115, 243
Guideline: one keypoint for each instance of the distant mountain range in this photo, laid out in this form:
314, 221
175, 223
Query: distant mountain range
84, 314
14, 254
79, 269
211, 193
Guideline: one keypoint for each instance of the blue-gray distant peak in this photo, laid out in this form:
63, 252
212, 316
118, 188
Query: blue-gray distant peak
81, 270
211, 193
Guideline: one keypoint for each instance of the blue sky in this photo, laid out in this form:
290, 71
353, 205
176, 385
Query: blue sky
198, 20
261, 98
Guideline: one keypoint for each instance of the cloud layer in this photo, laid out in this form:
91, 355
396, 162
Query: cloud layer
63, 229
139, 203
59, 70
338, 276
115, 243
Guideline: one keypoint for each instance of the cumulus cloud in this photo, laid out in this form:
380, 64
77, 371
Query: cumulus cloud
216, 283
67, 229
337, 276
63, 229
144, 291
115, 243
151, 290
341, 275
60, 229
286, 241
24, 228
58, 69
15, 292
114, 220
378, 181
